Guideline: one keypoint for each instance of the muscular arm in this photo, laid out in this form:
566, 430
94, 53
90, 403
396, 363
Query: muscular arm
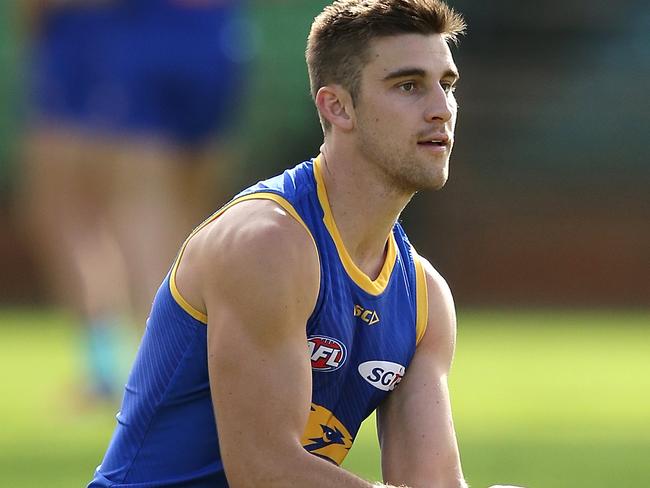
416, 431
255, 272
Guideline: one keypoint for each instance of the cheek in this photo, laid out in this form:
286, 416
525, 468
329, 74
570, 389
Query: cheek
453, 108
453, 104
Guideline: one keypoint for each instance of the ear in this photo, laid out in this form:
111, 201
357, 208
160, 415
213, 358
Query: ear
335, 105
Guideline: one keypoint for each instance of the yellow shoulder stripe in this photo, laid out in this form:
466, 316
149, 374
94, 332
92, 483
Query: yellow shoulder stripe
421, 299
184, 304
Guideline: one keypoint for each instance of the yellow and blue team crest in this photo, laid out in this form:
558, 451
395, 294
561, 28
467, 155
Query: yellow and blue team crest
325, 436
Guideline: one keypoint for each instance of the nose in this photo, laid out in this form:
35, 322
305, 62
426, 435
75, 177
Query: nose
441, 106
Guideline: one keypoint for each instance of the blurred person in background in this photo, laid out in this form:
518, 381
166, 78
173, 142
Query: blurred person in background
128, 98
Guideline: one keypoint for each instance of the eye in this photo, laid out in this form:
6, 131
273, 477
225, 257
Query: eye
407, 87
448, 87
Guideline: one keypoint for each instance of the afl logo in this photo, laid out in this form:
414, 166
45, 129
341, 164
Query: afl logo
327, 354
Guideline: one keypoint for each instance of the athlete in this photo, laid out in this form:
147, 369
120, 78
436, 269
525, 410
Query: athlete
301, 307
129, 99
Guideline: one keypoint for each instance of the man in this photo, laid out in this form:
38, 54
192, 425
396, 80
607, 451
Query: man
129, 101
301, 307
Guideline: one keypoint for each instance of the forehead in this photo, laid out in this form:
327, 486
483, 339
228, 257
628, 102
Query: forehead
427, 52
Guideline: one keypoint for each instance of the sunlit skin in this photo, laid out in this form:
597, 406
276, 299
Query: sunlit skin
381, 145
405, 102
255, 273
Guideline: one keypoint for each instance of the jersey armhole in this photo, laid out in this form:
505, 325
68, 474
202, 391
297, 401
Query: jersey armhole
283, 202
421, 299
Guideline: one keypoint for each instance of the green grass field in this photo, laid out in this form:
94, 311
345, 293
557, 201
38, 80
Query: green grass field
542, 399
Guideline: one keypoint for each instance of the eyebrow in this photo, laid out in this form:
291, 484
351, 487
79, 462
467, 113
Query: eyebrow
406, 72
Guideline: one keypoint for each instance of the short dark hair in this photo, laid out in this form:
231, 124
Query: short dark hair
337, 47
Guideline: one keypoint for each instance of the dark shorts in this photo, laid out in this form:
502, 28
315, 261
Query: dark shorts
66, 64
168, 72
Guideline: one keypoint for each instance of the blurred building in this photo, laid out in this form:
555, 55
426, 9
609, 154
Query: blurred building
548, 200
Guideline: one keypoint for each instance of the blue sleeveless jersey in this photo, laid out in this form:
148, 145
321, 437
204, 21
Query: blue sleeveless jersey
361, 337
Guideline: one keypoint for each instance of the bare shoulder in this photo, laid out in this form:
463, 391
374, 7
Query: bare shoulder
258, 230
438, 291
254, 247
440, 334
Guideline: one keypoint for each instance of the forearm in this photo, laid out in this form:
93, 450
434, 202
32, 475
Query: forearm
309, 470
300, 469
461, 483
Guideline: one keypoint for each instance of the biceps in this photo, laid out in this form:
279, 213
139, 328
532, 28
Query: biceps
418, 441
420, 419
261, 388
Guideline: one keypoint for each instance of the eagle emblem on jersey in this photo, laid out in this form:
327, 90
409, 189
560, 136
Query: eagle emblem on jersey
325, 436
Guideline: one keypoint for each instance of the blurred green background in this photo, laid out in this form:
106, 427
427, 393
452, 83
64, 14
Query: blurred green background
542, 232
543, 399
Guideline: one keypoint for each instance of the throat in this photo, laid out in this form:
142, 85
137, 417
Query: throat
371, 262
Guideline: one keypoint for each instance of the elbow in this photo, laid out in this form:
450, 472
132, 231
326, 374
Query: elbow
252, 478
260, 469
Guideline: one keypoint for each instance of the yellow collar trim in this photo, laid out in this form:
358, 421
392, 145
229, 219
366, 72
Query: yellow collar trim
375, 287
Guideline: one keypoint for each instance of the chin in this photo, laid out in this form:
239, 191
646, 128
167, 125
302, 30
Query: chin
437, 180
425, 183
418, 177
437, 184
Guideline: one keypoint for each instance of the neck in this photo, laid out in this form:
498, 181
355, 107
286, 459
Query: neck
364, 205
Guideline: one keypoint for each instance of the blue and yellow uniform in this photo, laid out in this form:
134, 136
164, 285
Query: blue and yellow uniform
66, 68
166, 68
176, 67
361, 337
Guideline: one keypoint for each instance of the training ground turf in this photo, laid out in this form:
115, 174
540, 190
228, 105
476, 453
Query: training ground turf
544, 399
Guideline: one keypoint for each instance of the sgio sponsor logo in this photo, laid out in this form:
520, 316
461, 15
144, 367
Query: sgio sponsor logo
384, 375
327, 354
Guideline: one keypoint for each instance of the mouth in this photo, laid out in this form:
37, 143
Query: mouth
437, 143
433, 143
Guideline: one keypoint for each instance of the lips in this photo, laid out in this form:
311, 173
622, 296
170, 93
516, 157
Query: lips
433, 143
435, 140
